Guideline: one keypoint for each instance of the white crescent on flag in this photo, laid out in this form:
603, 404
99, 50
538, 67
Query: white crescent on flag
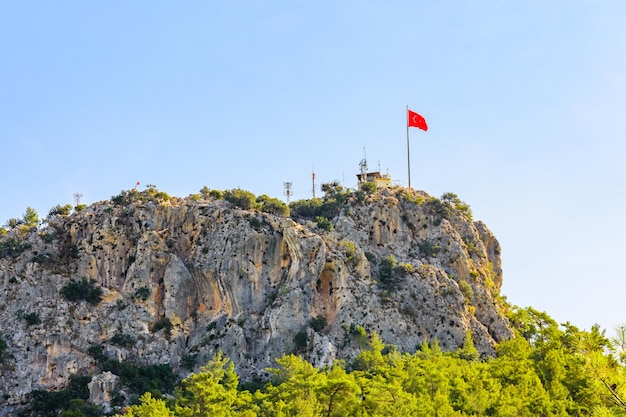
416, 120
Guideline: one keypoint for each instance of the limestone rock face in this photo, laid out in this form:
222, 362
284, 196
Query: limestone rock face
102, 388
252, 284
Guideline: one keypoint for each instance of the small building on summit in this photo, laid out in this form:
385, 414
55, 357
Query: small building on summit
381, 180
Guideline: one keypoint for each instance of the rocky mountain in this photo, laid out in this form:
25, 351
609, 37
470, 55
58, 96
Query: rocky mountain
175, 280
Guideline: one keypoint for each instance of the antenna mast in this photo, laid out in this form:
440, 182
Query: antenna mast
363, 165
313, 180
287, 192
77, 197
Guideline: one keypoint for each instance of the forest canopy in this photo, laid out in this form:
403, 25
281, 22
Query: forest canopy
547, 370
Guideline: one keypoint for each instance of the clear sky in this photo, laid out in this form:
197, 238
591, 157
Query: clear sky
525, 101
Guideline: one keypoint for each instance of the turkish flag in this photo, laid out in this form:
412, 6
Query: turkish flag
415, 120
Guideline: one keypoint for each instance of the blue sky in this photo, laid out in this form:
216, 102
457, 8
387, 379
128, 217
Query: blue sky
525, 103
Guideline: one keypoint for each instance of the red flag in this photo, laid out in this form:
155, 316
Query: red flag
415, 120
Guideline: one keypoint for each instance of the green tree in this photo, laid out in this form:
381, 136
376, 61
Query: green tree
472, 391
129, 196
307, 209
573, 365
335, 196
338, 393
335, 190
533, 325
386, 271
82, 290
468, 352
13, 222
324, 223
452, 200
216, 194
294, 394
428, 379
205, 192
79, 408
13, 247
69, 401
318, 323
60, 210
381, 380
241, 198
148, 407
369, 187
607, 376
212, 392
31, 218
619, 342
521, 392
273, 205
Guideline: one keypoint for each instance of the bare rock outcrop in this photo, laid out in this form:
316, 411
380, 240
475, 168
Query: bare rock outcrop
103, 388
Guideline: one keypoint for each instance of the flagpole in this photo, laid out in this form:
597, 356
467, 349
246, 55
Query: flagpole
408, 153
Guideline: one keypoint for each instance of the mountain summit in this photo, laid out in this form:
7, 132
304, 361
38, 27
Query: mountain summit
147, 279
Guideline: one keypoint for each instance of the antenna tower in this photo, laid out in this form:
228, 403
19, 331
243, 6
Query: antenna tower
313, 179
77, 197
287, 192
363, 165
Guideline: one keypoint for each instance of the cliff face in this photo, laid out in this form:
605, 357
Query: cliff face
252, 284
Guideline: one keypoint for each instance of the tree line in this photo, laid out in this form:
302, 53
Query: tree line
546, 370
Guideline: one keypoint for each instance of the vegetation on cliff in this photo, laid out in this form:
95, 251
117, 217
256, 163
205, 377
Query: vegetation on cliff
546, 370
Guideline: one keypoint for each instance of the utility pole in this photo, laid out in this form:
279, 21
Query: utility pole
287, 192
